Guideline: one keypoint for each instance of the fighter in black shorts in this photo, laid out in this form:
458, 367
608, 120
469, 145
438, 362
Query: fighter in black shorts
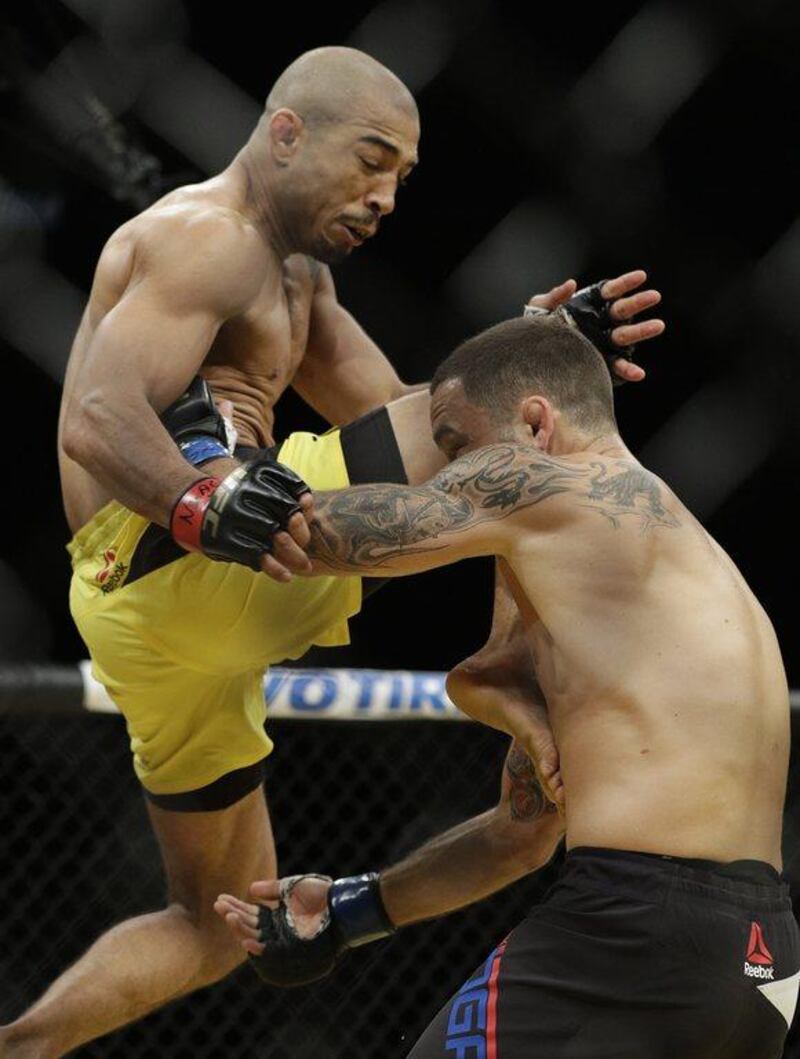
629, 955
635, 955
643, 685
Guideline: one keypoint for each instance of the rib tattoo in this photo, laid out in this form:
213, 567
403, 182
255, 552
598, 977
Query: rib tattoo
527, 800
369, 525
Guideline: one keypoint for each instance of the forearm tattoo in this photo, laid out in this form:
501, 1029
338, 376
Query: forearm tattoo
369, 525
527, 799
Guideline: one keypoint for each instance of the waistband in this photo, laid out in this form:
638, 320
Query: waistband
742, 883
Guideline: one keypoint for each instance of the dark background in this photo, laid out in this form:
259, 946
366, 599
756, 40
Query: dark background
651, 134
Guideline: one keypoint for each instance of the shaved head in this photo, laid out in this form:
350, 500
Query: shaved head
338, 136
335, 84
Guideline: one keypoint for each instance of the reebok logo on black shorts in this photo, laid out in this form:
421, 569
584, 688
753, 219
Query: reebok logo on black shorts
758, 962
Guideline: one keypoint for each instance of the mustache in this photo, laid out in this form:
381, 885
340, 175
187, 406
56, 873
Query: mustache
369, 223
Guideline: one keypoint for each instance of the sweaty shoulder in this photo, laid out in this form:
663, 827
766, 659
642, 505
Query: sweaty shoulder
196, 254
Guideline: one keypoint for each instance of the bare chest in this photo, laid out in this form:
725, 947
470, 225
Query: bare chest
255, 356
266, 344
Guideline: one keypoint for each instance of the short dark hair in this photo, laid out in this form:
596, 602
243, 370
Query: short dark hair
536, 354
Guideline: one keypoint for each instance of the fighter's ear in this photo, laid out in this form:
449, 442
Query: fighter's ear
285, 130
539, 415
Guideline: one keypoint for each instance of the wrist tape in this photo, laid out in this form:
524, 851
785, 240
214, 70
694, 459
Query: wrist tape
356, 909
186, 521
198, 450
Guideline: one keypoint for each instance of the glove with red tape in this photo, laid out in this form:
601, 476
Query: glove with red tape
235, 519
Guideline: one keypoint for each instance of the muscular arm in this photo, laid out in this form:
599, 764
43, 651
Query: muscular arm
467, 509
473, 507
343, 374
463, 865
185, 280
479, 857
498, 687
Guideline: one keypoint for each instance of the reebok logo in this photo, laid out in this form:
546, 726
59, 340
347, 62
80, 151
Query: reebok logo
112, 574
110, 557
758, 962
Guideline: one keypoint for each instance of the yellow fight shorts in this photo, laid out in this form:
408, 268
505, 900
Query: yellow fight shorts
181, 642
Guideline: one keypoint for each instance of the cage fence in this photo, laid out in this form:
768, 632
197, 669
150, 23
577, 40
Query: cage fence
344, 798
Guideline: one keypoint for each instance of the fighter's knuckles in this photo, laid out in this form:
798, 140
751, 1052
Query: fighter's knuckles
272, 568
299, 529
292, 557
289, 959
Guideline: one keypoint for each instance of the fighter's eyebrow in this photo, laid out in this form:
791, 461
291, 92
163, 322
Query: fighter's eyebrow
388, 146
380, 142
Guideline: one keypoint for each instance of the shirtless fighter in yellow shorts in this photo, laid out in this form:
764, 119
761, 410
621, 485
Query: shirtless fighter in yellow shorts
229, 276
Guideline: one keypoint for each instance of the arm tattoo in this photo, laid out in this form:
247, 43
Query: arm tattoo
368, 525
527, 799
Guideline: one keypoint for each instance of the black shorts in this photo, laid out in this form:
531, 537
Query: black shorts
635, 956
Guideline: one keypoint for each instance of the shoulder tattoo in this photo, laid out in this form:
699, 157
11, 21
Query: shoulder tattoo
369, 524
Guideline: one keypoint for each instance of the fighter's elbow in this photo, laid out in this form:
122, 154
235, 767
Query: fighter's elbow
82, 428
526, 846
464, 680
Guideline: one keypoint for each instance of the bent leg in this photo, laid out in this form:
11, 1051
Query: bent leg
410, 417
144, 962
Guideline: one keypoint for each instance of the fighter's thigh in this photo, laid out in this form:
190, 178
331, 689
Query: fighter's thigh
410, 420
466, 1027
531, 998
207, 853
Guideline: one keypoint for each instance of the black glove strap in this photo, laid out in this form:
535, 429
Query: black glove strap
357, 909
195, 415
289, 959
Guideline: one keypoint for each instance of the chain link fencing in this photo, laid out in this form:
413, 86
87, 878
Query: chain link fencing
344, 798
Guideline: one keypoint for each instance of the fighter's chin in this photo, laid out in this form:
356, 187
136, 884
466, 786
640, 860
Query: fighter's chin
329, 254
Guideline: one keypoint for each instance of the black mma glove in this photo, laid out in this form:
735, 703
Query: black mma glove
589, 311
235, 519
355, 916
198, 428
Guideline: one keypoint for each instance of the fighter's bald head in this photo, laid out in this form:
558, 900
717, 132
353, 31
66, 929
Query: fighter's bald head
338, 136
335, 84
